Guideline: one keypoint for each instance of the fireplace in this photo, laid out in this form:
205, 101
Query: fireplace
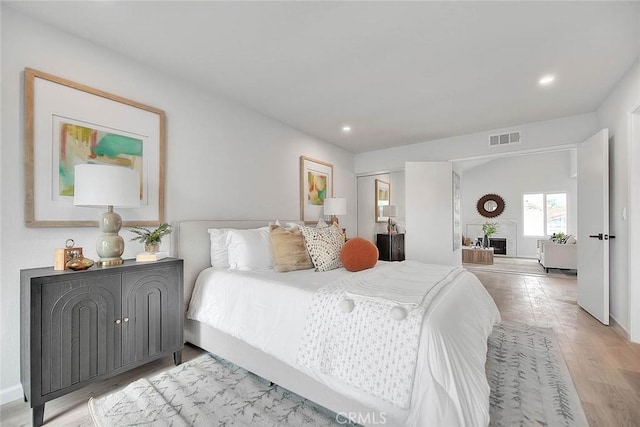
499, 245
507, 232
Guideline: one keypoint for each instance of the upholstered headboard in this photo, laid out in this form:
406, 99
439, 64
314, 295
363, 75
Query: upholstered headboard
193, 245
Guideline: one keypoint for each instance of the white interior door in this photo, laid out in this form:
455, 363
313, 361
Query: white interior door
429, 216
593, 226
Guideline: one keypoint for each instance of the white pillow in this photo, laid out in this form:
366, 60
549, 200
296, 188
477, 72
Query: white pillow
249, 249
219, 253
571, 240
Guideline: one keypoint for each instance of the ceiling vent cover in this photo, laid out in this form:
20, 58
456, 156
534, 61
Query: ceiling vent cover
504, 138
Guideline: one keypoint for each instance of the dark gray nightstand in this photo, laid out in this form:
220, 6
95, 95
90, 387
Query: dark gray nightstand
78, 327
390, 247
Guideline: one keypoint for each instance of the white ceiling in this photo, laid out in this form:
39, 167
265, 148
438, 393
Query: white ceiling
397, 72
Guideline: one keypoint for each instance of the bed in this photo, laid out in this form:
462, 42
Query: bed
449, 387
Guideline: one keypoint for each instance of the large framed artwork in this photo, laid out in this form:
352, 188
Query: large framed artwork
67, 124
316, 184
383, 198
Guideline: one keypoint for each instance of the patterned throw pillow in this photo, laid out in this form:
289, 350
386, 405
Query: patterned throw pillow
324, 246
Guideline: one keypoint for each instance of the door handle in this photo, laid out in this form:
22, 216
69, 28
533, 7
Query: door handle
596, 236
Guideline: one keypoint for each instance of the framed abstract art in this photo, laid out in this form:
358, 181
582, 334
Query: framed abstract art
67, 124
316, 184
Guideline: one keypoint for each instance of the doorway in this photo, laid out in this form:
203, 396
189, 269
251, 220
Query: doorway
634, 227
511, 177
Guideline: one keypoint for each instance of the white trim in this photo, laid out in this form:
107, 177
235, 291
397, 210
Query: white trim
634, 225
381, 172
10, 394
540, 150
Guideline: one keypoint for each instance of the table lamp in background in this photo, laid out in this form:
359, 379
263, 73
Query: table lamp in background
390, 211
334, 206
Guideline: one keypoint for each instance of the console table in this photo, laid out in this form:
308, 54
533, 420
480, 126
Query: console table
78, 327
475, 255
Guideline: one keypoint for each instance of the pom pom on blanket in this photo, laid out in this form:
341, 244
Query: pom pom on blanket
398, 313
346, 305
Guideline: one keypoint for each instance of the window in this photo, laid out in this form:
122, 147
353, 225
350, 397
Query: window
533, 215
544, 213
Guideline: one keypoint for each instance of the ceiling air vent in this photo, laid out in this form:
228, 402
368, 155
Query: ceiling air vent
504, 138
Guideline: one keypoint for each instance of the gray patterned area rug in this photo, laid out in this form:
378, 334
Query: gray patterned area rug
208, 391
529, 380
530, 385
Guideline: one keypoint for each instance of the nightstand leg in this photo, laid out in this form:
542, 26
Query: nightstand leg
37, 415
177, 357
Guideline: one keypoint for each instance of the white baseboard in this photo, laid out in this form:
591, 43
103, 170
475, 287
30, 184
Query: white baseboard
618, 328
10, 394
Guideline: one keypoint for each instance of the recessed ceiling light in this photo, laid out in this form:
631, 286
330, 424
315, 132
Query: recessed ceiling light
346, 129
547, 80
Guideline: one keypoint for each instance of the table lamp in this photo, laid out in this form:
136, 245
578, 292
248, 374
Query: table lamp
390, 211
110, 186
334, 206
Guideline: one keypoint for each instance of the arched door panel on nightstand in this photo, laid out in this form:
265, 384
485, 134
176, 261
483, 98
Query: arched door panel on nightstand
79, 337
151, 306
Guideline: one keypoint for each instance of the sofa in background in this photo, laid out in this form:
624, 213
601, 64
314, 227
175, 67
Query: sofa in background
558, 255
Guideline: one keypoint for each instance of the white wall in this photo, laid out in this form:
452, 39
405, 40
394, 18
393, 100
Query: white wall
429, 214
615, 114
510, 178
223, 160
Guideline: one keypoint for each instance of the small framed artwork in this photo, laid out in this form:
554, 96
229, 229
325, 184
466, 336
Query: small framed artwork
383, 198
316, 184
63, 255
68, 124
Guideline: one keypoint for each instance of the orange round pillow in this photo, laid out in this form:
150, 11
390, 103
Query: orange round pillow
358, 254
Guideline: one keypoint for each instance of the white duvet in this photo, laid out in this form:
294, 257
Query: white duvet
268, 310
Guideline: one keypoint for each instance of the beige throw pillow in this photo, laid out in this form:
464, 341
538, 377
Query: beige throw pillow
288, 249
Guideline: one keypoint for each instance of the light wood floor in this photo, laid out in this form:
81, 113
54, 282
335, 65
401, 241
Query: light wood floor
604, 366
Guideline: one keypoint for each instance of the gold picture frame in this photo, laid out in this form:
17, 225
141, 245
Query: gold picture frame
316, 184
62, 116
383, 198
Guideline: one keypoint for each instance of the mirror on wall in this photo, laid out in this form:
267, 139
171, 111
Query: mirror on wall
490, 205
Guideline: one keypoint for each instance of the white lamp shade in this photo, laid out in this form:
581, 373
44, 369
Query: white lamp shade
103, 185
390, 211
335, 206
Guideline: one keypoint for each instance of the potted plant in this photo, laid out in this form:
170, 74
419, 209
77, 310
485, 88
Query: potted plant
489, 229
151, 239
